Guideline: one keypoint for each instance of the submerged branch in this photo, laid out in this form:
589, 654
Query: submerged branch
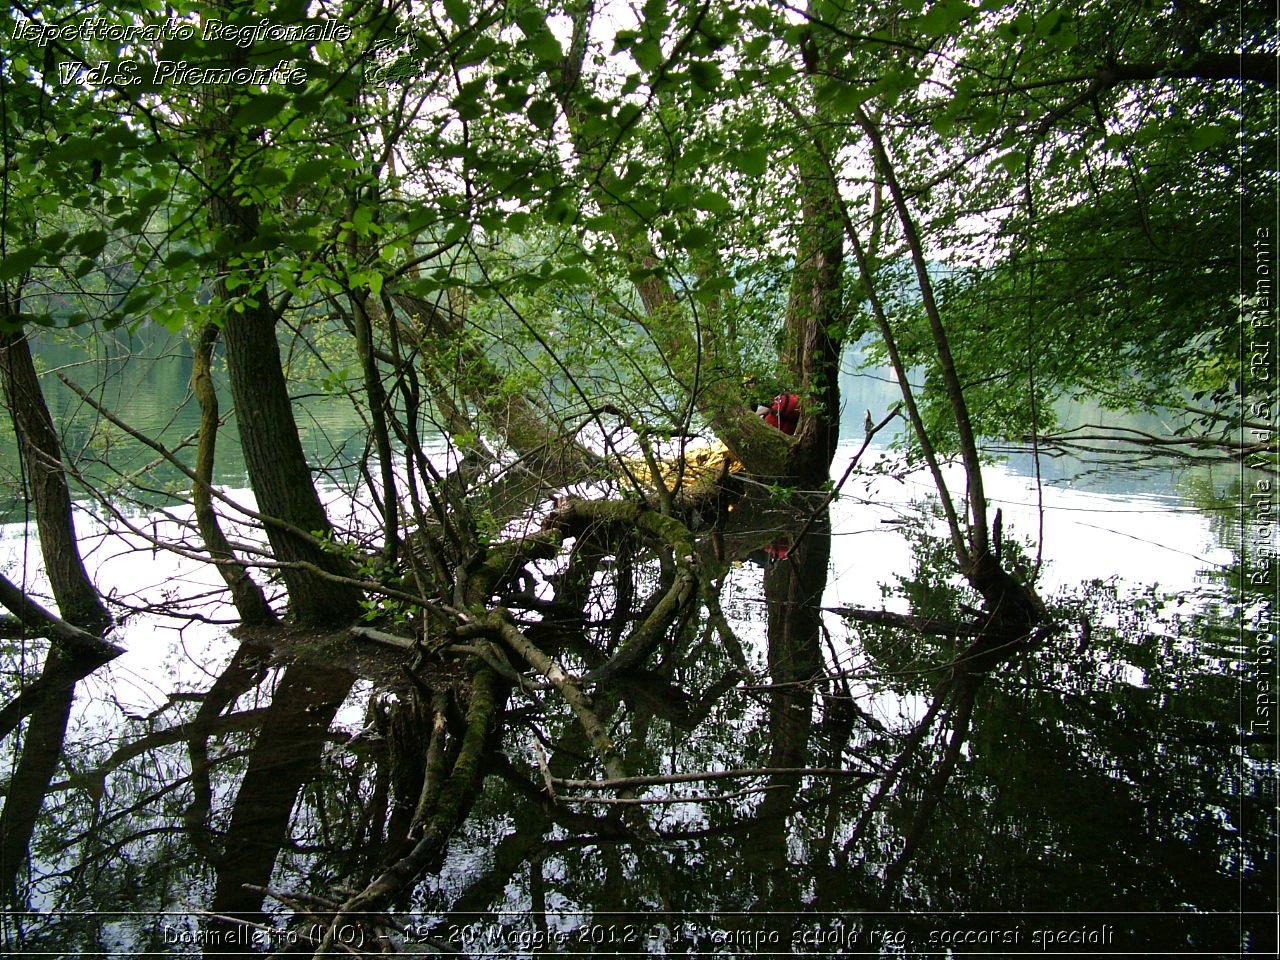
668, 801
678, 596
622, 783
567, 686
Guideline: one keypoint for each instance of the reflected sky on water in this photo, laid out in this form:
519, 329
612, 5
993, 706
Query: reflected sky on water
1106, 772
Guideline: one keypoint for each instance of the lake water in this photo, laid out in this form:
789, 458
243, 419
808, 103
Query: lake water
1110, 791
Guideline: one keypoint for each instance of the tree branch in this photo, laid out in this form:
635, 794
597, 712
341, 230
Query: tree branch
74, 641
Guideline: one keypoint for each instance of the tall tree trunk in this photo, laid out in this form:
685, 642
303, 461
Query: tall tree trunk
278, 470
247, 596
377, 397
815, 322
41, 455
277, 465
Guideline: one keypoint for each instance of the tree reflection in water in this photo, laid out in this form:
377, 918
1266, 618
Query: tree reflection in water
839, 770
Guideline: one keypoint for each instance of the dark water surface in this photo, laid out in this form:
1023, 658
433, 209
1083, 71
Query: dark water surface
1110, 790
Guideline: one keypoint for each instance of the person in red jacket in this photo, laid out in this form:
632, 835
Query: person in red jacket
783, 412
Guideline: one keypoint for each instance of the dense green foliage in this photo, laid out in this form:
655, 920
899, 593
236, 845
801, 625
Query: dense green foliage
1074, 176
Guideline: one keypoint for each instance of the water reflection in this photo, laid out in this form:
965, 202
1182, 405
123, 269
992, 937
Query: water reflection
46, 727
145, 377
872, 792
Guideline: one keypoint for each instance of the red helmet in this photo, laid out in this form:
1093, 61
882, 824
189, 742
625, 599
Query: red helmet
784, 412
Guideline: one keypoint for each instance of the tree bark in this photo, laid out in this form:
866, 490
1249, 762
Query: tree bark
247, 596
277, 465
814, 322
278, 469
34, 619
41, 455
1263, 68
377, 398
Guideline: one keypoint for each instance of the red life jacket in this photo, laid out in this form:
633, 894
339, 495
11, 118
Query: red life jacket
784, 412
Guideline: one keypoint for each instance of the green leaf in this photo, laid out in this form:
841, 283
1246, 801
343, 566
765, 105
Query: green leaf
135, 303
171, 319
753, 162
530, 22
706, 75
310, 171
264, 177
944, 17
943, 123
52, 244
19, 262
542, 113
563, 212
91, 242
697, 237
573, 275
1050, 23
1202, 138
471, 99
514, 98
458, 229
13, 322
648, 55
711, 202
480, 51
546, 47
153, 197
178, 258
260, 109
459, 11
290, 11
984, 121
362, 220
627, 114
75, 148
841, 98
721, 283
679, 195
